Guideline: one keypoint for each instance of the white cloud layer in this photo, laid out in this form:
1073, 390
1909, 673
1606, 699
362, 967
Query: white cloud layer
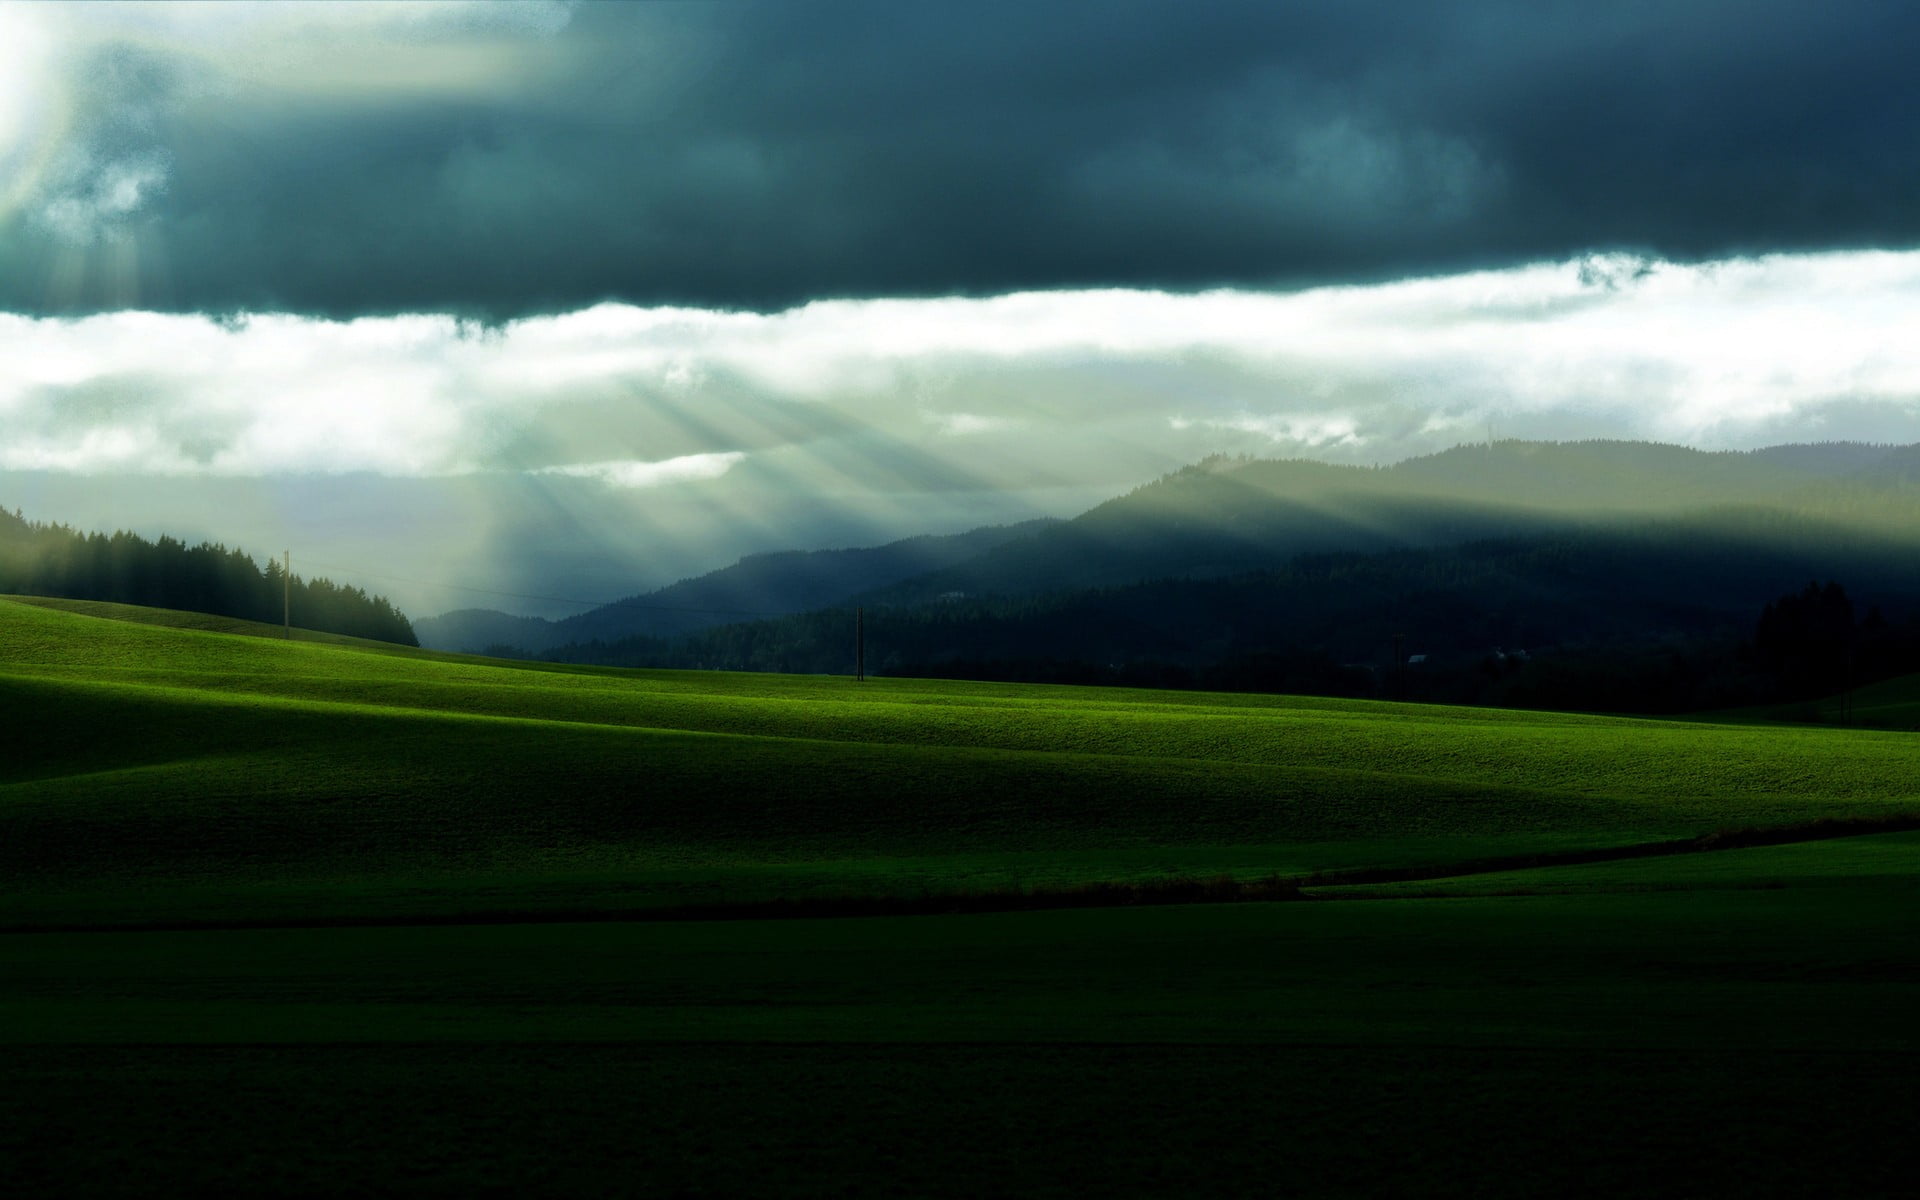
652, 474
1014, 392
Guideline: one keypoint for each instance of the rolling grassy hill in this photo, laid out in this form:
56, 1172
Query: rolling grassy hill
173, 770
1892, 703
1889, 704
283, 916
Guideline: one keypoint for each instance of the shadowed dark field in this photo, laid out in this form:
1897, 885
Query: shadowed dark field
1727, 1020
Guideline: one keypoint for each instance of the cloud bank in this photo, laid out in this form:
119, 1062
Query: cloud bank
1015, 392
630, 474
501, 160
547, 295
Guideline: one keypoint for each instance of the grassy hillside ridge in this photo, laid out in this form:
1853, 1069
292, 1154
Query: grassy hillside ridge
1496, 745
1893, 703
1889, 861
1741, 1020
165, 765
172, 618
1889, 704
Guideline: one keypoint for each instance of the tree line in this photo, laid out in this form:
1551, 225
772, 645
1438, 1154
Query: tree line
55, 560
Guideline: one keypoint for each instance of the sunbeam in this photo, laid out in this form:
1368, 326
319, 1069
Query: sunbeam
32, 110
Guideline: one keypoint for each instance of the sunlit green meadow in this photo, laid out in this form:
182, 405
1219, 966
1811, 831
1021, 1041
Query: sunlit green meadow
199, 770
322, 916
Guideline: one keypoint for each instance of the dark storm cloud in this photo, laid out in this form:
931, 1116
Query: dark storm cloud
760, 156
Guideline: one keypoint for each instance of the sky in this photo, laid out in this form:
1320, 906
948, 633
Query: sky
572, 300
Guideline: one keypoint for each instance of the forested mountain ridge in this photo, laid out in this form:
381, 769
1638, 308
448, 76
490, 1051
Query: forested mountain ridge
1520, 573
53, 560
774, 583
1571, 620
1229, 515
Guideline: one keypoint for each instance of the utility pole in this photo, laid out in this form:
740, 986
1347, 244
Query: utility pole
286, 594
1400, 665
859, 644
1846, 694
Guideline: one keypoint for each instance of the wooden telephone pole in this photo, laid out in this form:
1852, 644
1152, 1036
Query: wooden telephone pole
859, 644
286, 594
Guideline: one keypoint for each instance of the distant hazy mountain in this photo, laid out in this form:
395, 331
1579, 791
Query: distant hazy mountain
1304, 576
1651, 612
758, 585
1226, 516
477, 630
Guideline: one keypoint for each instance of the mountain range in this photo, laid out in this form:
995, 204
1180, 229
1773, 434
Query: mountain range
1518, 543
759, 585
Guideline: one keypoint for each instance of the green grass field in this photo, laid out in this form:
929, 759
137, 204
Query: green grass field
177, 773
287, 916
1889, 704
